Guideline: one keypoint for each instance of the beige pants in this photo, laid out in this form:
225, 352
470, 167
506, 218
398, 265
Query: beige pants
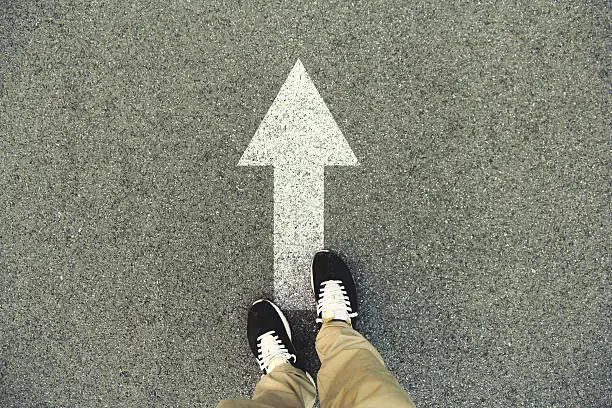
352, 375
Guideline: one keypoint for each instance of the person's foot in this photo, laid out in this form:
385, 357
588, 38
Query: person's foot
333, 287
269, 336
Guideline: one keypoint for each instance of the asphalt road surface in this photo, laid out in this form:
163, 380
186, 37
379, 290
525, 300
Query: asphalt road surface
477, 224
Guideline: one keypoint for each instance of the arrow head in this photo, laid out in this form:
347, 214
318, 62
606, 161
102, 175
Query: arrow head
298, 129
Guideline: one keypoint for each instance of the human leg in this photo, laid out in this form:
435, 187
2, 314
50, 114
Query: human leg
352, 372
284, 387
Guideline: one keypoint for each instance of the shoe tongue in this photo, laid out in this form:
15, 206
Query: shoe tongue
275, 362
330, 314
334, 303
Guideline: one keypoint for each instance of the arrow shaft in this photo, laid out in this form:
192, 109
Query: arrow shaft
298, 232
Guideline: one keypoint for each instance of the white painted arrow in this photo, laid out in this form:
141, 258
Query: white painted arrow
299, 137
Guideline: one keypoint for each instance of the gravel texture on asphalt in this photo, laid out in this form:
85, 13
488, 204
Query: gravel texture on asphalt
477, 223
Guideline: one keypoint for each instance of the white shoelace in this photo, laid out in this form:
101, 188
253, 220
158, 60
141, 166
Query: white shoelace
334, 302
269, 346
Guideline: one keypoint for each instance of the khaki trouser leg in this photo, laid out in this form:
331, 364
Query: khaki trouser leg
285, 387
352, 372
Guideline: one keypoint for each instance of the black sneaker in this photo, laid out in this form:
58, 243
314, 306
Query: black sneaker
269, 335
333, 287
